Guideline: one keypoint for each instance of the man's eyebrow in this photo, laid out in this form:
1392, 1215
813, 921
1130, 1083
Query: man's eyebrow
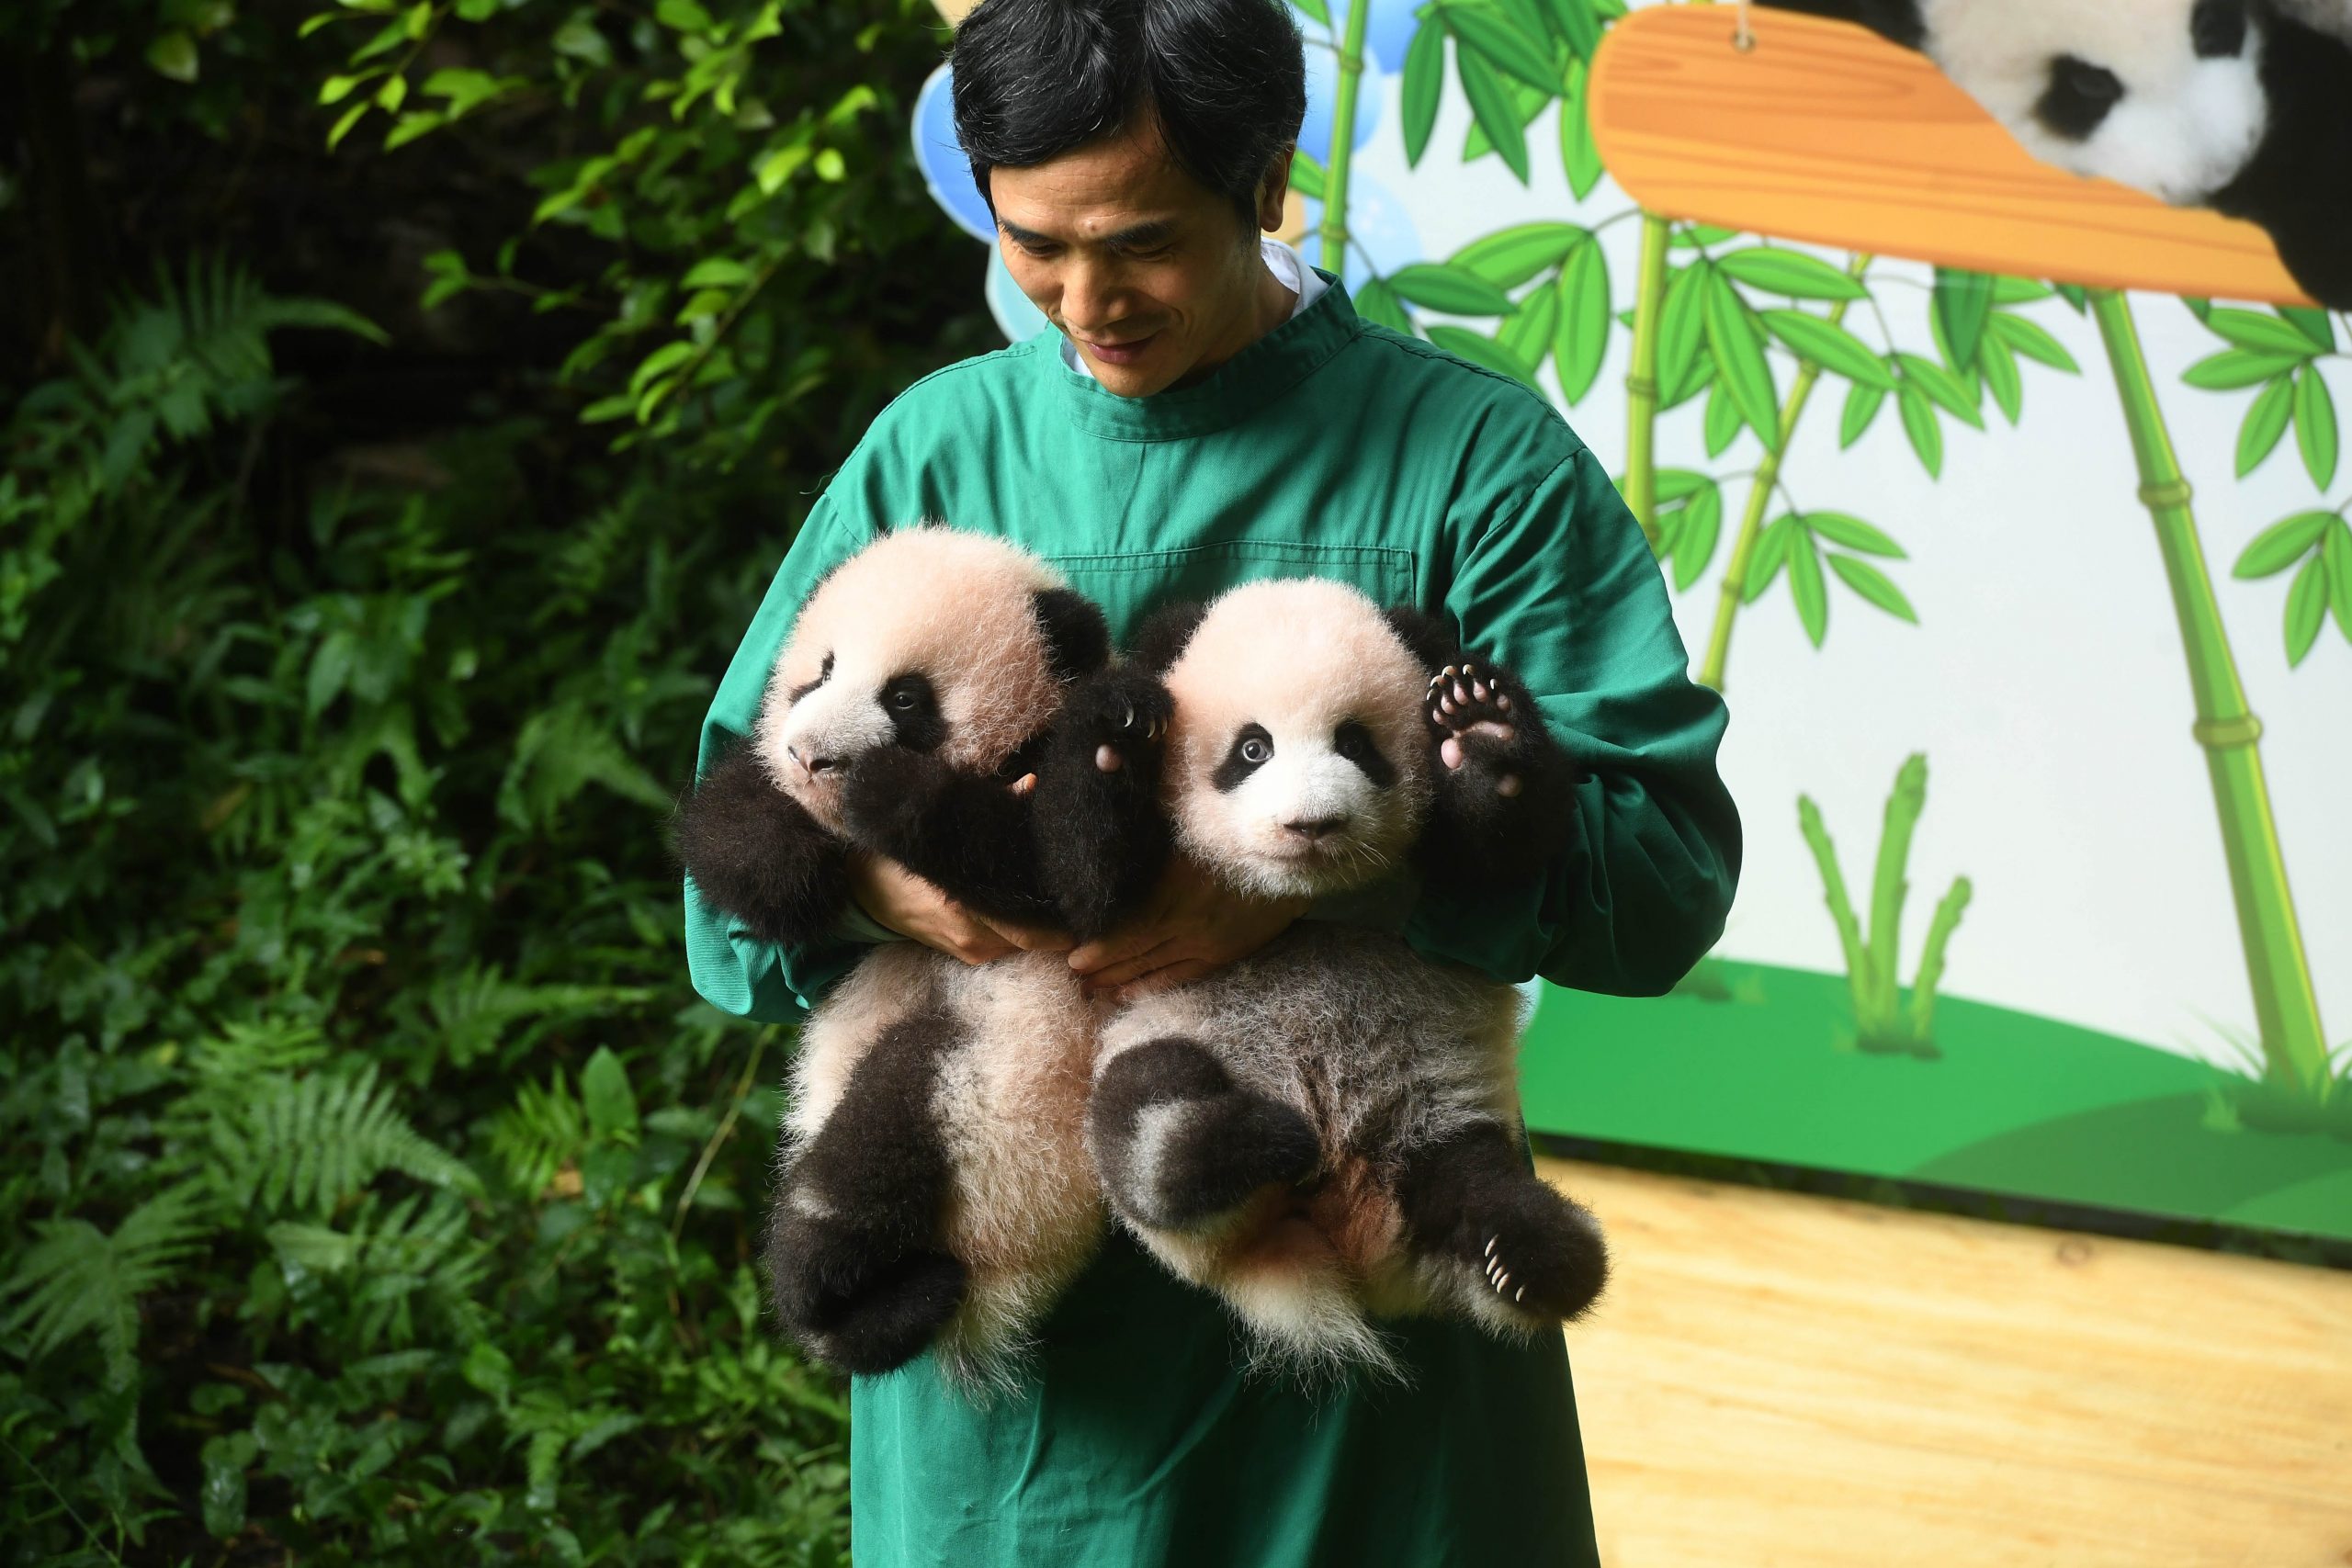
1138, 236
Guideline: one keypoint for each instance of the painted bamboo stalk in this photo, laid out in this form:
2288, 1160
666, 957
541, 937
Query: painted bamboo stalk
1931, 958
2286, 1007
1768, 477
1641, 381
1890, 887
1334, 229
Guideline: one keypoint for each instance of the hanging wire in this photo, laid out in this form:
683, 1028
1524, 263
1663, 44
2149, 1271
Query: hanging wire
1744, 39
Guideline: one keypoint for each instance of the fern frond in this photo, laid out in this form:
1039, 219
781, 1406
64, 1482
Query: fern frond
416, 1253
278, 1143
77, 1279
544, 1129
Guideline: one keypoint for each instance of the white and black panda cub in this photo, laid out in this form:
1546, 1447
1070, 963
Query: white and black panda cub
934, 1185
1327, 1132
2241, 105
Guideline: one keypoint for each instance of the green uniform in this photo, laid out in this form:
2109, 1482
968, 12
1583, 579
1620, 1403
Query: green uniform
1332, 447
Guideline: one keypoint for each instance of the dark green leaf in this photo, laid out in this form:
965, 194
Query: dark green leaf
225, 1458
1862, 404
1964, 302
1829, 345
2306, 608
1508, 257
1738, 345
2283, 544
605, 1095
1493, 35
1791, 273
1493, 107
1920, 425
173, 54
2265, 423
1438, 287
2316, 325
1583, 336
1579, 157
1307, 175
2316, 432
1872, 584
1424, 85
1805, 585
1480, 349
1853, 534
2235, 368
1578, 23
686, 16
2260, 333
1377, 302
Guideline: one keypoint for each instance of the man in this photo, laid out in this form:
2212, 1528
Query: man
1207, 411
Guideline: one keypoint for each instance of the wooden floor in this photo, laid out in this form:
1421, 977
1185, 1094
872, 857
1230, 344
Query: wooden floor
1780, 1381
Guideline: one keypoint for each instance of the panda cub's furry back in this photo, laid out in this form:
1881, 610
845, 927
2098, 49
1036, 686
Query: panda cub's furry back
934, 1188
2242, 105
1327, 1132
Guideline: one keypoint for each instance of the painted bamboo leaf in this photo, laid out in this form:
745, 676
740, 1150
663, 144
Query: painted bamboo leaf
1805, 583
1583, 332
1435, 285
1862, 404
1683, 324
2316, 325
1528, 16
1853, 534
2031, 340
1701, 521
1480, 349
2337, 555
1737, 341
2260, 333
1829, 345
1508, 257
1947, 390
1579, 157
1497, 38
1963, 303
1307, 175
1771, 555
1528, 333
1577, 22
2019, 291
2306, 608
2002, 378
1697, 379
2265, 423
1873, 585
1314, 9
1492, 107
1377, 302
1920, 425
2235, 368
2316, 433
1723, 419
2283, 544
1790, 273
1423, 86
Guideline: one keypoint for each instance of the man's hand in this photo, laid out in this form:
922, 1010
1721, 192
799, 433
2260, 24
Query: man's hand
1193, 926
905, 903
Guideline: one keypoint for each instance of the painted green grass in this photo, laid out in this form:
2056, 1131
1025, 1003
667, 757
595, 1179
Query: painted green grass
1762, 1066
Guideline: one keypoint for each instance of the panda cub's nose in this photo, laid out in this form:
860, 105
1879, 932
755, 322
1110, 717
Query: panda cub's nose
814, 765
1316, 828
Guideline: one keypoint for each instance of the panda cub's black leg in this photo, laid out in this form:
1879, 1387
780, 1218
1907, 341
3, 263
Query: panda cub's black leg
1102, 838
1177, 1142
1473, 1199
1505, 790
852, 1245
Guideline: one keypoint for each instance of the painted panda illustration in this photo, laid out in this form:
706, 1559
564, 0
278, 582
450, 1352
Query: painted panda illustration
933, 1183
1328, 1131
2241, 105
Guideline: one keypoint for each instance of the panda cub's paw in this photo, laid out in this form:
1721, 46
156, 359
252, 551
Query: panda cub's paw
1542, 1255
889, 794
1477, 710
1117, 716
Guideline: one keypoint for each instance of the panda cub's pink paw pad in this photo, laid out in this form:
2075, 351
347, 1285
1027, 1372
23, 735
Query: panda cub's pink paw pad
1464, 703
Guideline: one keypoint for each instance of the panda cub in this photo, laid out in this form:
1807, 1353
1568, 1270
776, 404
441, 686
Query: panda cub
1328, 1131
2241, 105
934, 1184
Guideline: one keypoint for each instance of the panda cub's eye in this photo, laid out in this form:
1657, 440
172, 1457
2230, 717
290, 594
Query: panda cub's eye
1254, 749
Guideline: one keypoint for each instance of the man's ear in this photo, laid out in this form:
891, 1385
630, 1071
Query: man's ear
1272, 189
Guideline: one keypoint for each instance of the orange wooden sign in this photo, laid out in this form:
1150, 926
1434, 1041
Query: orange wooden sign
1825, 132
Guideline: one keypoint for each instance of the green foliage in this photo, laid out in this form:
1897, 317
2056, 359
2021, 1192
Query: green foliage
379, 1190
1882, 1024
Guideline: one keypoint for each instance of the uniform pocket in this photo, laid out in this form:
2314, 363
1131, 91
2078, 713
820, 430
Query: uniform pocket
1132, 584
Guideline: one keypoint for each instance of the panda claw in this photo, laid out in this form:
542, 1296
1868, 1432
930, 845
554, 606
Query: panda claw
1491, 1245
1521, 1296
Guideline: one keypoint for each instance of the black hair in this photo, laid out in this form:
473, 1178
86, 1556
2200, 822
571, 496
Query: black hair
1224, 81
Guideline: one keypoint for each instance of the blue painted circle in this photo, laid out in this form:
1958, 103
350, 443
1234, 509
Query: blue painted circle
941, 158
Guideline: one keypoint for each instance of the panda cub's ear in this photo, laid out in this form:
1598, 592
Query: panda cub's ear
1432, 641
1160, 640
1078, 640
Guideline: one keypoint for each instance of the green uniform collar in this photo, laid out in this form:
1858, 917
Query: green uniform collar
1244, 383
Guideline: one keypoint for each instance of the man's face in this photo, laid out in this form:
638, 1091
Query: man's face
1150, 273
